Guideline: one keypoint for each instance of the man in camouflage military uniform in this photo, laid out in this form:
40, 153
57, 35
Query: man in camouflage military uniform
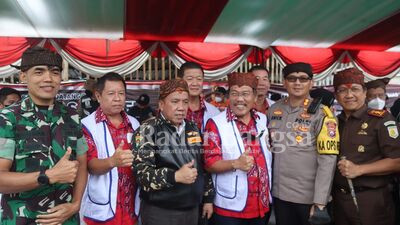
168, 163
43, 153
304, 139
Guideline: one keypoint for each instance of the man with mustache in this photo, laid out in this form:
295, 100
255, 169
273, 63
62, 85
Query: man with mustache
111, 189
168, 163
304, 140
199, 110
237, 155
369, 139
43, 152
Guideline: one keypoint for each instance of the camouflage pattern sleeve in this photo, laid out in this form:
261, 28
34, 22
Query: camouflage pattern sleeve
150, 177
7, 141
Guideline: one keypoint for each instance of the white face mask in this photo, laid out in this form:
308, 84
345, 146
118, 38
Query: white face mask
377, 103
218, 99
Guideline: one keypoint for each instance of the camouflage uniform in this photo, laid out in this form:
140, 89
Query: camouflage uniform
35, 138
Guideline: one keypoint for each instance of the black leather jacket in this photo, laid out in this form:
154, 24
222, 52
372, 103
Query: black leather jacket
158, 153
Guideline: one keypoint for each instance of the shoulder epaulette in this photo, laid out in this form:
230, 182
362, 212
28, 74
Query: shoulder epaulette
377, 113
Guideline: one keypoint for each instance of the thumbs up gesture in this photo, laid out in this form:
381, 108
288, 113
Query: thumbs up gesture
245, 162
122, 157
187, 174
64, 171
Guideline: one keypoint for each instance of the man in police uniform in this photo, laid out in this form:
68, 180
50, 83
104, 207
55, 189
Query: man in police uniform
369, 139
304, 139
43, 152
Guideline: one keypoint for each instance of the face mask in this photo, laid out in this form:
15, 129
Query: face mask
376, 103
218, 99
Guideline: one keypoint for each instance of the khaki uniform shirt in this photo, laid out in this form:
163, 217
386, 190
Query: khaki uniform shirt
300, 173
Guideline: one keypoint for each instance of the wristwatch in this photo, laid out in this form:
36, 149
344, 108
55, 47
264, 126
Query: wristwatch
43, 179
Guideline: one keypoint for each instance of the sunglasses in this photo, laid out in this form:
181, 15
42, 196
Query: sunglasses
293, 79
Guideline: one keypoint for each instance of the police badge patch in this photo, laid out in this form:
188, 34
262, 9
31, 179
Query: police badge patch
331, 125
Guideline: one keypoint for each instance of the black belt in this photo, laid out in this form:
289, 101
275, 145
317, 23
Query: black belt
346, 190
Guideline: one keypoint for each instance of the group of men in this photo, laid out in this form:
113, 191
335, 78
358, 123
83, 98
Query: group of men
191, 162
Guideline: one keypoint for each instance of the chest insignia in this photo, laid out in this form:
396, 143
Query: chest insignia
361, 148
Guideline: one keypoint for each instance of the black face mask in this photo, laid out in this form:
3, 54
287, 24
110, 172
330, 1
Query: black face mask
88, 93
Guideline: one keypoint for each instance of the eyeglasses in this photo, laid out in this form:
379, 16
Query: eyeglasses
293, 79
353, 90
235, 94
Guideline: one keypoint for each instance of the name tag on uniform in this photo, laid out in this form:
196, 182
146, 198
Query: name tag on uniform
192, 140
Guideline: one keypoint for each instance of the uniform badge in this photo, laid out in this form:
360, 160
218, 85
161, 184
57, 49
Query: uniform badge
306, 102
138, 139
193, 140
364, 126
305, 115
303, 128
193, 133
362, 132
331, 128
299, 138
278, 112
361, 148
393, 132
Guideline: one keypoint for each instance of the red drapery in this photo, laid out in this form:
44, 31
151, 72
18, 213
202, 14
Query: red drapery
104, 53
259, 56
210, 56
319, 58
11, 48
377, 63
172, 20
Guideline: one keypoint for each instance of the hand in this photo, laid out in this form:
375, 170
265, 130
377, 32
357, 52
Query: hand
58, 214
245, 162
64, 171
186, 174
121, 157
207, 210
348, 169
321, 207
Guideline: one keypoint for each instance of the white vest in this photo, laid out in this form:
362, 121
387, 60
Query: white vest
231, 187
211, 111
100, 198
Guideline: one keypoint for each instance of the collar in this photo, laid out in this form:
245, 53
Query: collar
165, 121
231, 116
28, 105
357, 114
101, 117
